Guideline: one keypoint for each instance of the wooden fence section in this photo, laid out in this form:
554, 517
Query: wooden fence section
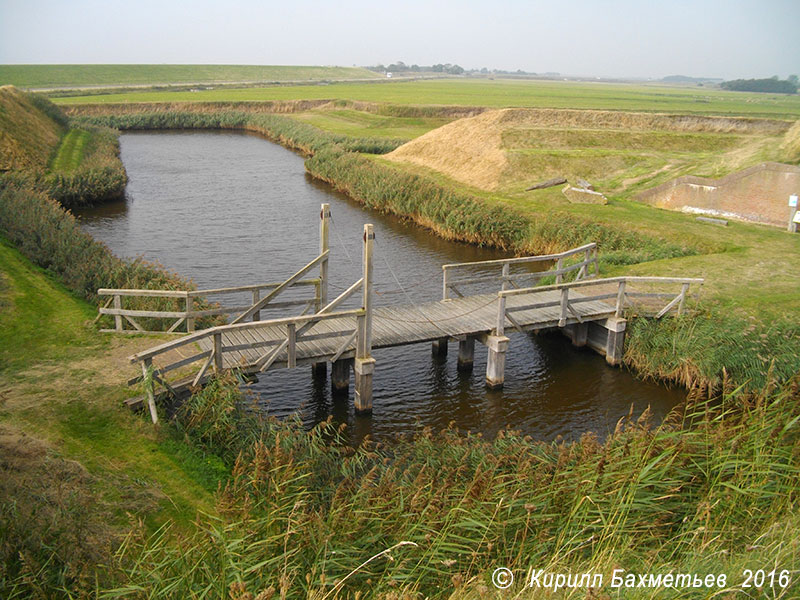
567, 306
184, 311
583, 268
188, 314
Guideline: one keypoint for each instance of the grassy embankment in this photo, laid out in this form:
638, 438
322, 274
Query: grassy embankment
77, 467
75, 166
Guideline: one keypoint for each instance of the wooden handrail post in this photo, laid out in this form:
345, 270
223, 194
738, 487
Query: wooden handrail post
364, 365
149, 384
360, 337
444, 282
501, 316
506, 271
118, 318
320, 369
256, 298
218, 353
684, 289
189, 308
584, 271
324, 245
620, 299
559, 264
564, 306
291, 337
369, 239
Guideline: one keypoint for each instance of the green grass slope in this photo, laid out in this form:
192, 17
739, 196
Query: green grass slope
45, 76
28, 135
63, 383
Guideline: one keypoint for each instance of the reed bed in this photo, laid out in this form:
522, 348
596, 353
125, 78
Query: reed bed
711, 490
710, 346
460, 216
288, 132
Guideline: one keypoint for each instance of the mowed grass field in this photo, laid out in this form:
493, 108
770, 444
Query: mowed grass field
359, 123
495, 94
70, 152
51, 76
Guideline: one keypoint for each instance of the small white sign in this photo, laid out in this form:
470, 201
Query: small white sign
796, 217
793, 200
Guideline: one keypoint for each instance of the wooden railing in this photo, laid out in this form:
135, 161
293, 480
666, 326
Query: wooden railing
584, 268
188, 313
297, 330
622, 296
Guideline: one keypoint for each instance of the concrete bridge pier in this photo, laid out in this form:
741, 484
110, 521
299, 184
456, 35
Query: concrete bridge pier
615, 340
364, 368
606, 337
319, 370
496, 363
578, 333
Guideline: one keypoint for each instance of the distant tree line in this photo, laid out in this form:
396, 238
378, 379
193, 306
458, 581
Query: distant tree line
772, 85
401, 67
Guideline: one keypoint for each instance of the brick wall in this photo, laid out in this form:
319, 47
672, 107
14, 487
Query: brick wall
759, 194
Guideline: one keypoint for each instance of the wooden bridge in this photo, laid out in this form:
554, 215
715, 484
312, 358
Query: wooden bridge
587, 308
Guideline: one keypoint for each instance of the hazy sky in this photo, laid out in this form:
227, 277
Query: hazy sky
613, 38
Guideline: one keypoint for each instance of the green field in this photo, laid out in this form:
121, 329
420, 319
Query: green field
51, 76
497, 94
357, 123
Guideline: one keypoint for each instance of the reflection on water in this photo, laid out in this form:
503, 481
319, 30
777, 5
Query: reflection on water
230, 209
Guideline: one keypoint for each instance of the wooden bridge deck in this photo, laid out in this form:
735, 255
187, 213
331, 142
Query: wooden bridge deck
401, 325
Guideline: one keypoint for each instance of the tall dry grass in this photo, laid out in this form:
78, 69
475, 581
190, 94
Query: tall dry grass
711, 490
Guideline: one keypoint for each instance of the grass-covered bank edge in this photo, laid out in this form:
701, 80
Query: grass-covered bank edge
83, 167
77, 468
96, 176
701, 349
301, 137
